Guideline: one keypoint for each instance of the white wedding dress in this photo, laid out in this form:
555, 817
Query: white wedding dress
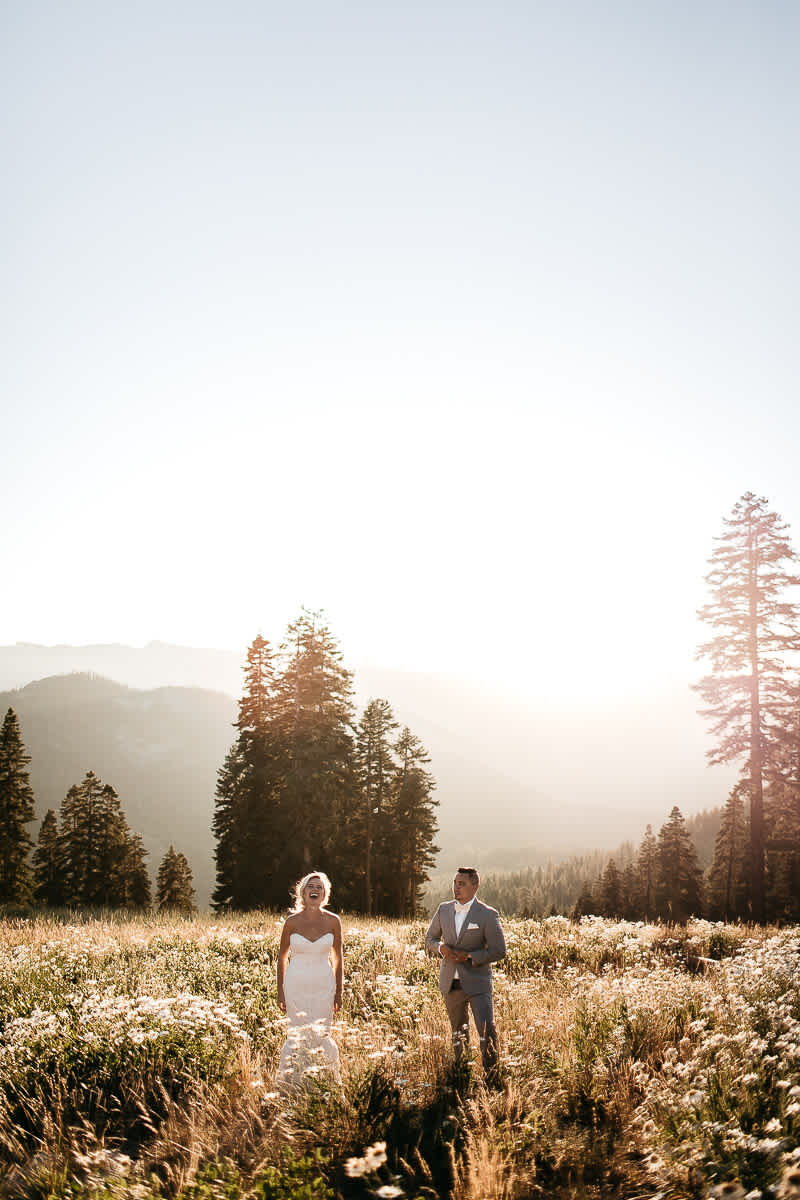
309, 986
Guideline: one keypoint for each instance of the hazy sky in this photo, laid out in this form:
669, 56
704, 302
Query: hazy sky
467, 323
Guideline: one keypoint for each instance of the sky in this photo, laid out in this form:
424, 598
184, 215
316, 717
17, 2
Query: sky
464, 323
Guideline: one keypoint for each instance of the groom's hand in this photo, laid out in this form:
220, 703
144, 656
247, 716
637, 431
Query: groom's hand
457, 956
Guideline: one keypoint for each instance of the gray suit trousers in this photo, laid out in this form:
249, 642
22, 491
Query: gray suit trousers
458, 1004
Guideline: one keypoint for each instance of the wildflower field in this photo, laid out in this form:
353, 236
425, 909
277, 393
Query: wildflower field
137, 1059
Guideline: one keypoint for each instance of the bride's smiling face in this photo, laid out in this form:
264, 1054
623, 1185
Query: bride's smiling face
313, 892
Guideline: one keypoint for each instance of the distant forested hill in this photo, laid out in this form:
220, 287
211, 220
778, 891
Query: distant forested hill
158, 664
557, 776
528, 882
159, 749
516, 786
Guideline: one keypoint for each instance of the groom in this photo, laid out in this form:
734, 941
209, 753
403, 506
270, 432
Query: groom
468, 936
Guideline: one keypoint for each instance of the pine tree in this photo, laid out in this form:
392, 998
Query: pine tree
647, 871
249, 824
94, 841
174, 883
703, 828
134, 881
109, 887
631, 892
377, 773
728, 887
412, 819
313, 720
71, 838
680, 881
750, 694
16, 811
287, 790
782, 805
48, 867
584, 905
611, 891
782, 808
262, 820
227, 828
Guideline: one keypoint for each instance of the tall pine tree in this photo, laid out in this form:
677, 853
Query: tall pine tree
103, 864
314, 721
249, 821
134, 882
226, 826
728, 885
679, 888
412, 819
377, 773
750, 694
611, 891
16, 811
647, 871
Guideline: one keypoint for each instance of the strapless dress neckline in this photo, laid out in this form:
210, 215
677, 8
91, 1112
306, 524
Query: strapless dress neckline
311, 941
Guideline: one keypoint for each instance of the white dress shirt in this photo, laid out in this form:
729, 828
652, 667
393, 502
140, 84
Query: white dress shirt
460, 918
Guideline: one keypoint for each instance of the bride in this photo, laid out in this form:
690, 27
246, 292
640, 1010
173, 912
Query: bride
310, 981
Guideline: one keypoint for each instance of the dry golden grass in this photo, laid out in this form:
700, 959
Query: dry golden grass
138, 1060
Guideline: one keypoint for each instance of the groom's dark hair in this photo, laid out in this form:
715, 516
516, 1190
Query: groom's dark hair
473, 875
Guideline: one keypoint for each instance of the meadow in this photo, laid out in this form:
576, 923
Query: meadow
137, 1060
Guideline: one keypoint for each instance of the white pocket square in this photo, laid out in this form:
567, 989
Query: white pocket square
472, 926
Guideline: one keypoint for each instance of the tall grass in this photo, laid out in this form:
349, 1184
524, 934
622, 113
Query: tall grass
137, 1059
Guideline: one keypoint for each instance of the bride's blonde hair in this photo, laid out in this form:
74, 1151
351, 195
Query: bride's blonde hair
303, 883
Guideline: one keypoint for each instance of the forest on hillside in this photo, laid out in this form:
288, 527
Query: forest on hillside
306, 779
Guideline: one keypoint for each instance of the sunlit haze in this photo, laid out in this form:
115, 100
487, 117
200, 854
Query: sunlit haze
465, 323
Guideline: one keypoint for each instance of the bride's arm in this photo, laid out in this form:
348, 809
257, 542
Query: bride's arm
338, 963
283, 958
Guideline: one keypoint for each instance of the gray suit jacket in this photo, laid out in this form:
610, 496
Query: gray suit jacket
481, 937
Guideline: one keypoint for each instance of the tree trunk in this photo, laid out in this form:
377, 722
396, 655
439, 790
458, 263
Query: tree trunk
368, 859
756, 757
729, 881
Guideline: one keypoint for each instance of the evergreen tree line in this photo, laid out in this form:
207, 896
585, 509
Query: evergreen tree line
666, 881
309, 785
663, 879
534, 891
87, 856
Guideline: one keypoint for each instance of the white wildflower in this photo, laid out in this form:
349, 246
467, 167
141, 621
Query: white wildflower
730, 1190
789, 1185
375, 1155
